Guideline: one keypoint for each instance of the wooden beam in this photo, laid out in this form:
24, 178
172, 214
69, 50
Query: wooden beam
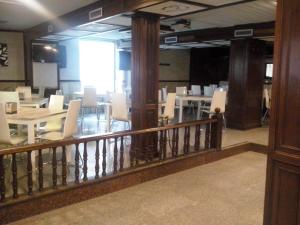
227, 33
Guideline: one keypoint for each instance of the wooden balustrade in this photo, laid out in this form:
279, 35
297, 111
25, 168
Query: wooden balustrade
117, 152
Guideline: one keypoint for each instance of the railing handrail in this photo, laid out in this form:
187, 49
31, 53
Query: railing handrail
83, 139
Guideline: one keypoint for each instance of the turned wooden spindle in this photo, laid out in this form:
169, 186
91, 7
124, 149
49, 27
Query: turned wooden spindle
54, 168
115, 156
207, 136
40, 169
161, 144
2, 179
122, 154
216, 131
165, 142
77, 164
104, 158
197, 138
186, 141
64, 166
85, 158
15, 176
131, 154
29, 173
174, 142
97, 157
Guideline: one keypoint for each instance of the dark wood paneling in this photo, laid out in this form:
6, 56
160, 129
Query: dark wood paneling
209, 65
145, 70
246, 77
282, 203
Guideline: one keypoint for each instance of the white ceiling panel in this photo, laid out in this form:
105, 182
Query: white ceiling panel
97, 27
172, 8
118, 20
113, 35
246, 13
21, 16
215, 2
75, 33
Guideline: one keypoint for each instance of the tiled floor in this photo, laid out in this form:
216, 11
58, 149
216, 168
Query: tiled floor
226, 192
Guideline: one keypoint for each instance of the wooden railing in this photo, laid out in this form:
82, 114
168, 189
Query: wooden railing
96, 157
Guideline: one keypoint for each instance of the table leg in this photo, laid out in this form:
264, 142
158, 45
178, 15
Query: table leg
198, 110
107, 116
180, 110
31, 140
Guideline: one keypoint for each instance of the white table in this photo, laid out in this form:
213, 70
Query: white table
34, 102
34, 116
192, 98
31, 117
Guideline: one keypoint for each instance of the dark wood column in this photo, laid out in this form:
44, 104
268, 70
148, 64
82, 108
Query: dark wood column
145, 70
282, 205
246, 75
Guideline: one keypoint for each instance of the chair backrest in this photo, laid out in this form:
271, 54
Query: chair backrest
89, 97
170, 105
267, 98
119, 107
70, 126
164, 93
41, 92
9, 96
181, 90
58, 92
159, 96
208, 91
5, 133
218, 101
25, 91
196, 89
56, 102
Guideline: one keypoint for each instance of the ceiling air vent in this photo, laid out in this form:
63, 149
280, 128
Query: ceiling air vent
95, 14
243, 33
169, 40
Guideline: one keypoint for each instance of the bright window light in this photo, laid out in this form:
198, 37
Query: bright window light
97, 65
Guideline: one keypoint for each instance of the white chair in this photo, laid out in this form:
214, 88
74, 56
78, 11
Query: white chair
164, 93
196, 89
89, 100
268, 105
25, 92
208, 91
70, 125
56, 103
218, 101
119, 109
5, 137
169, 108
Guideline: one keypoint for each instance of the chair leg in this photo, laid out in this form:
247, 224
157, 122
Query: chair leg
224, 121
265, 116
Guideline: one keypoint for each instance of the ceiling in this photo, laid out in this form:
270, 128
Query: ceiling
197, 14
23, 14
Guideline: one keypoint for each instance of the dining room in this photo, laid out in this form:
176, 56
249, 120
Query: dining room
94, 84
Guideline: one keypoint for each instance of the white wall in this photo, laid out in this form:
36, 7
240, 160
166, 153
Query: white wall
15, 69
44, 74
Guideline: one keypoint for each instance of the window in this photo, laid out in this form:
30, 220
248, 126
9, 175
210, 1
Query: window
97, 65
269, 70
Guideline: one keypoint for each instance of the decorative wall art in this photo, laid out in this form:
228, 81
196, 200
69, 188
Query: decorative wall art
3, 55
